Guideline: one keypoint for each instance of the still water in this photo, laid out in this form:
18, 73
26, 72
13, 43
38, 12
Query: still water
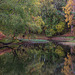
37, 59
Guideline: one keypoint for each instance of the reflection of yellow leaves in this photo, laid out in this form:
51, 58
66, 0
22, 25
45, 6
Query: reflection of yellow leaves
36, 67
32, 69
67, 65
44, 48
59, 51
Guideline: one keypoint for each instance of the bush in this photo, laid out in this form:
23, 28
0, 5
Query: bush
50, 32
60, 27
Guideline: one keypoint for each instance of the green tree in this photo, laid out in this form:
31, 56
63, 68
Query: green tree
16, 16
50, 16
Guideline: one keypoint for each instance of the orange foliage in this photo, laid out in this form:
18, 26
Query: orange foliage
68, 9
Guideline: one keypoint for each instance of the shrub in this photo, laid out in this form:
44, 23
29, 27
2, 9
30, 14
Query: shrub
50, 32
60, 27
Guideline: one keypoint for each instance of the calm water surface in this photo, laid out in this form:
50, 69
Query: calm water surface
36, 59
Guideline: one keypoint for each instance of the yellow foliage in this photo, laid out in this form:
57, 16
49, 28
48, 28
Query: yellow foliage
68, 9
38, 21
60, 26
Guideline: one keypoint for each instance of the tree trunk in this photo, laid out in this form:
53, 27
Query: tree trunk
72, 30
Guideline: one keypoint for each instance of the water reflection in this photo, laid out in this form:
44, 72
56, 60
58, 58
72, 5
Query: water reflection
69, 63
44, 59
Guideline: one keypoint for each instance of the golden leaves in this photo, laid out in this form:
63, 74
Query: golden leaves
68, 9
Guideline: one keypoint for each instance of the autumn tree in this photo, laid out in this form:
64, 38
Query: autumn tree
69, 10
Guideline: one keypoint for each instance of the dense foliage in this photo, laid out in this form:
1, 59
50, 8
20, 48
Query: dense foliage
22, 19
31, 16
19, 16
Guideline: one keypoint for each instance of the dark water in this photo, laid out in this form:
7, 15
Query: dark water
37, 59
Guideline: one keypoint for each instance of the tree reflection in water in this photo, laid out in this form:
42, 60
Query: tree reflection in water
69, 64
34, 60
